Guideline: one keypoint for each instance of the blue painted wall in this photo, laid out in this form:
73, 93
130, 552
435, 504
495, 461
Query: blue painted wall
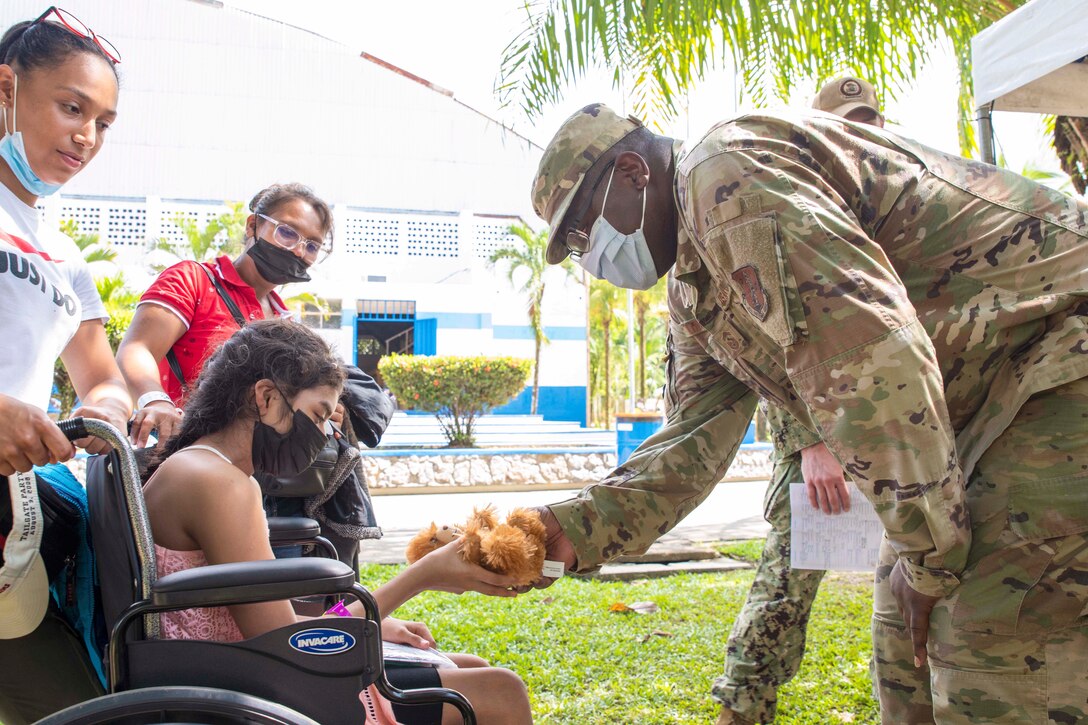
556, 402
459, 320
552, 332
425, 336
347, 319
482, 321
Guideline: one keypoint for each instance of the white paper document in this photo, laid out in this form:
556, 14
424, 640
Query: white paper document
405, 655
846, 541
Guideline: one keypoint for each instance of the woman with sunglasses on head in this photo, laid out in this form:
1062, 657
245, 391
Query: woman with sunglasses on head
58, 98
183, 316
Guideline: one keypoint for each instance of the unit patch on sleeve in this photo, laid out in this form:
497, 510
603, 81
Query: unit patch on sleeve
751, 291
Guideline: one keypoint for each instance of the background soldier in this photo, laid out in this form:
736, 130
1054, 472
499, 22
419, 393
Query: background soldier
852, 98
767, 643
923, 314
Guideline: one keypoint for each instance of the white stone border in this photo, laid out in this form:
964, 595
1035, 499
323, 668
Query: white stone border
385, 474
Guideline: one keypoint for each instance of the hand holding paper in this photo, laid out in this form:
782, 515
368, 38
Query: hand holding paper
849, 541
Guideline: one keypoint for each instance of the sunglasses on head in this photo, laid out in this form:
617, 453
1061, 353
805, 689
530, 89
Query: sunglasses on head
65, 19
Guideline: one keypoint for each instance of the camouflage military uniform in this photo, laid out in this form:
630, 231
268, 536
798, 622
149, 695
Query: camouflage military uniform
768, 638
767, 642
928, 317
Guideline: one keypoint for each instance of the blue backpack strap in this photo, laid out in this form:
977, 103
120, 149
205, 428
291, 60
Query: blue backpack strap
74, 589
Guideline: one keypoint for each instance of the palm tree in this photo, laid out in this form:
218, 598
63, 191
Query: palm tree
648, 304
1059, 180
307, 306
528, 254
604, 299
120, 303
87, 243
221, 235
119, 300
1071, 142
658, 49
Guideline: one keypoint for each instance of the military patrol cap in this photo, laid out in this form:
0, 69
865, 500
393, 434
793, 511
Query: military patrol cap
846, 94
581, 140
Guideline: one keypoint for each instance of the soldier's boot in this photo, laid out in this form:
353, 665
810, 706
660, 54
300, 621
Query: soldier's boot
729, 717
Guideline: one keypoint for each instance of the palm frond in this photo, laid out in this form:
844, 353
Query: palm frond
305, 300
93, 250
656, 51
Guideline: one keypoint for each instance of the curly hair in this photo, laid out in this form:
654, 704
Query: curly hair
291, 355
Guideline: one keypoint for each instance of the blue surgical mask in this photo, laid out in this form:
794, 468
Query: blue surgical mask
622, 259
14, 153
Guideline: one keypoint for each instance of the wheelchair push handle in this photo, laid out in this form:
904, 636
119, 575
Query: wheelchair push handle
76, 428
129, 471
73, 428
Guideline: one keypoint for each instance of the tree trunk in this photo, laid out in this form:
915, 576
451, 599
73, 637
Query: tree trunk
642, 357
607, 374
590, 412
1071, 143
536, 376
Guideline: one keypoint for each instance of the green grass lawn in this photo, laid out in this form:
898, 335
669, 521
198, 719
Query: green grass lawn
748, 550
585, 665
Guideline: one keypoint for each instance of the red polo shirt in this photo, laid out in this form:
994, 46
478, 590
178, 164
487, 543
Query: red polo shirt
187, 292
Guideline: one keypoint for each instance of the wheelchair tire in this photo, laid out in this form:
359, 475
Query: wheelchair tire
192, 705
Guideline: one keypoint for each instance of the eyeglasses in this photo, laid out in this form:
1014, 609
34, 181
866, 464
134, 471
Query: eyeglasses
287, 237
76, 26
577, 240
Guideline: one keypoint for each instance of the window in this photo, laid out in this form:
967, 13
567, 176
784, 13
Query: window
314, 312
369, 345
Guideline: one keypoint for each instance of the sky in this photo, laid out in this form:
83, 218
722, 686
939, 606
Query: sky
459, 45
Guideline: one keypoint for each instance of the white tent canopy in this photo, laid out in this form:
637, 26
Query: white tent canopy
1032, 60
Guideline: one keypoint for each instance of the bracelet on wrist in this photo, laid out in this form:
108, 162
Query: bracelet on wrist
154, 396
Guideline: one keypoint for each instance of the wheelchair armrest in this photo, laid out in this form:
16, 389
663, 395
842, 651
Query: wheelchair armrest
291, 528
251, 581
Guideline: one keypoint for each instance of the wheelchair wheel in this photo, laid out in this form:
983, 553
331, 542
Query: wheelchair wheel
192, 705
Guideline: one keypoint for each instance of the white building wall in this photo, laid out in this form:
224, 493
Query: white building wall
563, 361
445, 275
217, 103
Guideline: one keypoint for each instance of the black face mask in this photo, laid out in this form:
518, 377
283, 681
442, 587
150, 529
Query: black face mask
276, 264
290, 453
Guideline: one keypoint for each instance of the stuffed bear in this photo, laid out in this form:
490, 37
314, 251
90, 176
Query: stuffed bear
514, 547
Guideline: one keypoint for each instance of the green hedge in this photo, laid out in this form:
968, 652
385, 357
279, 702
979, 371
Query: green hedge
457, 390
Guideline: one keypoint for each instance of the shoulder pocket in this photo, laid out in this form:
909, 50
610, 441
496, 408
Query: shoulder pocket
747, 253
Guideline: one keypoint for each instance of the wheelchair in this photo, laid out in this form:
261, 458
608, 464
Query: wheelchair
308, 672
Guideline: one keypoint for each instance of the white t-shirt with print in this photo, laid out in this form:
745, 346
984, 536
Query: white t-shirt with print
46, 291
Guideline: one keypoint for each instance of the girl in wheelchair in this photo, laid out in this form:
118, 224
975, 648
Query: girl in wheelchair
260, 404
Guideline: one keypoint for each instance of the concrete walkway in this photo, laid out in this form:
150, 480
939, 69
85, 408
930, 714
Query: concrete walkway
733, 511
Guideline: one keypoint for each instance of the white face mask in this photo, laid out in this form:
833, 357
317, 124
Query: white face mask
13, 151
622, 259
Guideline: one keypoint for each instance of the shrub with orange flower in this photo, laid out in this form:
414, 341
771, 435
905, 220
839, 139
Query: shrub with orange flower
458, 390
